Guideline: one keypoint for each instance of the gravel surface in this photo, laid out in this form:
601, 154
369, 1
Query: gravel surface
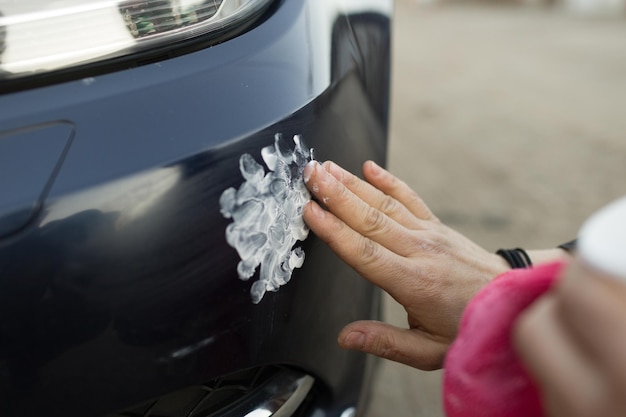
510, 123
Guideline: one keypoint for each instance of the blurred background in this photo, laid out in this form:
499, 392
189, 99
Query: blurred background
509, 119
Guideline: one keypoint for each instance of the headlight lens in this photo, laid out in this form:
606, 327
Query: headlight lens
40, 35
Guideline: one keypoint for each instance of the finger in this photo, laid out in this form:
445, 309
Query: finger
569, 383
357, 214
398, 189
410, 347
593, 307
373, 196
372, 261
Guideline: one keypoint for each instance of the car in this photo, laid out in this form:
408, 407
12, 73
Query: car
133, 136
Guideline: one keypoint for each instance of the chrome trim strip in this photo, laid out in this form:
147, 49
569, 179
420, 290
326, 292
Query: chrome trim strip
280, 397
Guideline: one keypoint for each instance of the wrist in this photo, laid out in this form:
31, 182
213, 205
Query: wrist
500, 265
548, 255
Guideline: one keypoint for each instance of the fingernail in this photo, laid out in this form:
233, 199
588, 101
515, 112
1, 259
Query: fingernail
334, 170
316, 209
308, 170
355, 340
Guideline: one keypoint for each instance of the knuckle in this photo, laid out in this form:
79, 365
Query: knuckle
415, 201
351, 180
383, 346
341, 235
368, 251
388, 205
429, 245
334, 233
427, 281
373, 220
342, 191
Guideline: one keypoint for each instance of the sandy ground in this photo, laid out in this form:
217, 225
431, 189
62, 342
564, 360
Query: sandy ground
510, 123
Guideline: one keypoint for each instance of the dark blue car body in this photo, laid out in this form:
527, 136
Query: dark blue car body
117, 286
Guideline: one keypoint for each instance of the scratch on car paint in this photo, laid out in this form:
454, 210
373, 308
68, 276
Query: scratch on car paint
267, 215
188, 350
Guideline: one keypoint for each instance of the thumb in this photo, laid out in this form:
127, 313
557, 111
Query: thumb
408, 346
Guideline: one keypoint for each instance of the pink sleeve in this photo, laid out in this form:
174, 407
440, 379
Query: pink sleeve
482, 375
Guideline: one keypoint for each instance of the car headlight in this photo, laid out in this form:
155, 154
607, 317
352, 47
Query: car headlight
40, 36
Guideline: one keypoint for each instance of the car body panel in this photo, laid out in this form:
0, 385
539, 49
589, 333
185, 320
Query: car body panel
122, 286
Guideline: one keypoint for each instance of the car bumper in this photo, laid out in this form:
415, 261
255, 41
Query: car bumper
117, 286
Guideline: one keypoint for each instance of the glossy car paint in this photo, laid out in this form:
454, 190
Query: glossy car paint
116, 282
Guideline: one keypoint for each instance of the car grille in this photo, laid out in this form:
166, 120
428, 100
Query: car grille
228, 396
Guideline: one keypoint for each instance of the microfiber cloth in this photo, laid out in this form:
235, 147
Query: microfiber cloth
483, 377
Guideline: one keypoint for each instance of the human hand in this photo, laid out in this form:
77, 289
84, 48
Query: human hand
573, 341
383, 230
